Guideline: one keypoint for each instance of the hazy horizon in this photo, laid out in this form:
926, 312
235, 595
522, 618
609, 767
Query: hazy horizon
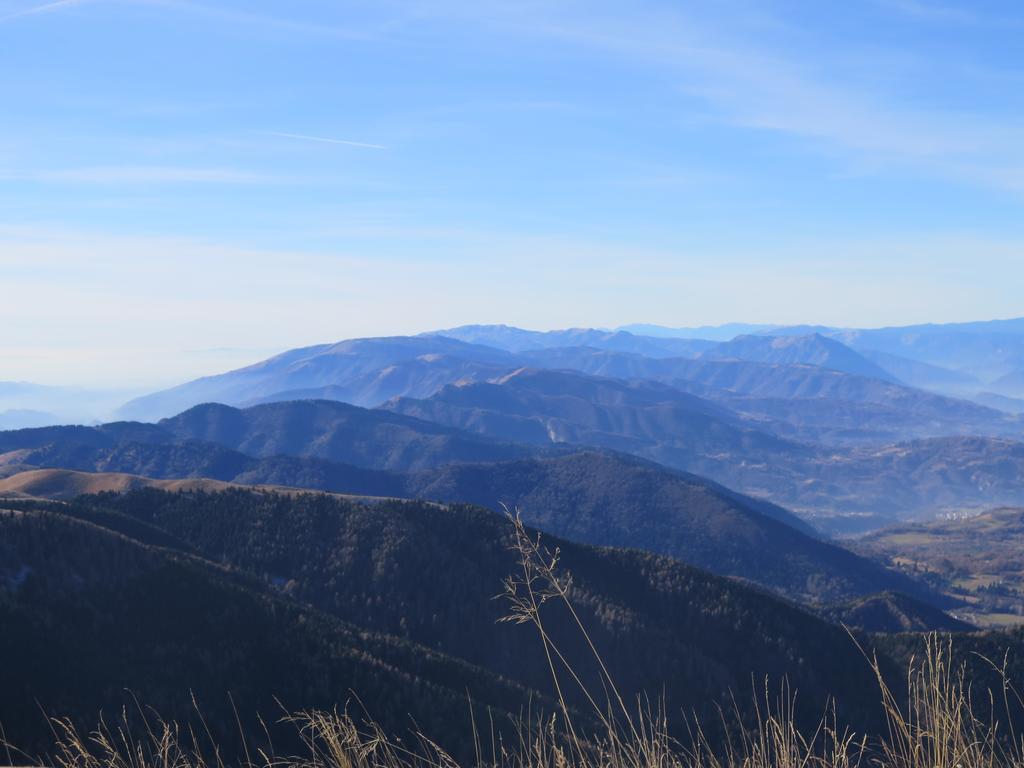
263, 177
187, 364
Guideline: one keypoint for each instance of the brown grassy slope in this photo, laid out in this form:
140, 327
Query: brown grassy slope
64, 484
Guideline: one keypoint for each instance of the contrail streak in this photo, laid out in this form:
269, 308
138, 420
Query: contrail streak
325, 140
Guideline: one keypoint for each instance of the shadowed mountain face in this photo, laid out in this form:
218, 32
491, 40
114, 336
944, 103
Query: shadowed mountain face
813, 349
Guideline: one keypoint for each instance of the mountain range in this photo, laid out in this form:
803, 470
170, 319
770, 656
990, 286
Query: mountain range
848, 451
664, 425
963, 358
598, 498
332, 524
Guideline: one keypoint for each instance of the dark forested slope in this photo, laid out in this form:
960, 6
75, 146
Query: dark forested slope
92, 618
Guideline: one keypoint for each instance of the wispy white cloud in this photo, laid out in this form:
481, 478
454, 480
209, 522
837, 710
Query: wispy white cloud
754, 81
325, 140
225, 14
56, 5
928, 11
280, 23
141, 174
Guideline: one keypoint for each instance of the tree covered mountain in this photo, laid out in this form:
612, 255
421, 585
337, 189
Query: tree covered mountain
428, 574
591, 497
96, 616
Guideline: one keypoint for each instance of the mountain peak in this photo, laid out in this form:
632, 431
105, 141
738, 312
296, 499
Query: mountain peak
806, 349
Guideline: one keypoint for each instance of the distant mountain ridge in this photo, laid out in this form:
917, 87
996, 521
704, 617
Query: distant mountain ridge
982, 351
812, 349
542, 407
722, 332
520, 340
370, 372
659, 424
802, 402
338, 432
358, 367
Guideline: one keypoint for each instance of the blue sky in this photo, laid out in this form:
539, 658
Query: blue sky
187, 186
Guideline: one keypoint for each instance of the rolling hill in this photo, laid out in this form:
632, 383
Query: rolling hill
64, 484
